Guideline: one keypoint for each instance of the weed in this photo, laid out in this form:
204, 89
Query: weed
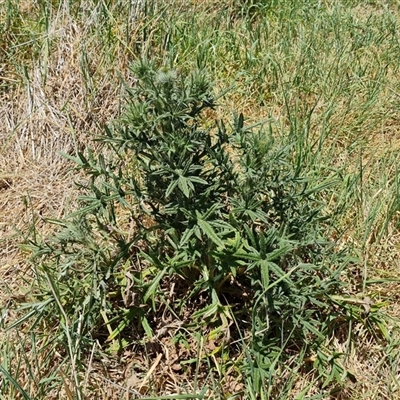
228, 211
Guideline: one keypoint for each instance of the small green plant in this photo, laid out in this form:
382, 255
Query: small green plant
180, 211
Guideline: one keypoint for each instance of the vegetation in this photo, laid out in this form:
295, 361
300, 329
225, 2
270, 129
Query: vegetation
217, 200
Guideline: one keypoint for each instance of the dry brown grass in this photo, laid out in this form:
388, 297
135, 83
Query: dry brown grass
53, 112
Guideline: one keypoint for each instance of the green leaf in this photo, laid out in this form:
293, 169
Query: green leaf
207, 311
85, 210
17, 386
186, 237
223, 225
284, 277
210, 212
324, 185
171, 187
183, 186
146, 327
126, 319
76, 160
277, 253
210, 233
197, 180
312, 329
152, 289
240, 122
35, 308
264, 268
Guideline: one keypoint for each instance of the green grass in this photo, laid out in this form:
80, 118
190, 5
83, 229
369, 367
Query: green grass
323, 78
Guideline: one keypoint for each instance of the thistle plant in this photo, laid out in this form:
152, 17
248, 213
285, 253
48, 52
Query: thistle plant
228, 211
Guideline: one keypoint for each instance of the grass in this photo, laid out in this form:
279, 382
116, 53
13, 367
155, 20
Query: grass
322, 75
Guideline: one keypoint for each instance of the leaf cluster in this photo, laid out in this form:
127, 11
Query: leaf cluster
225, 210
